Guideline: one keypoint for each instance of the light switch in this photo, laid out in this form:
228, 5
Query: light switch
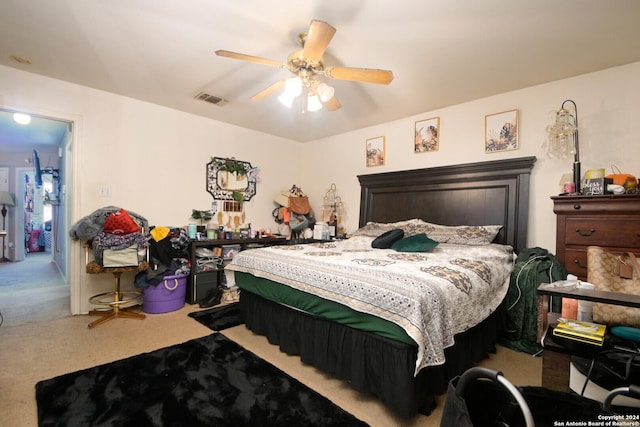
104, 191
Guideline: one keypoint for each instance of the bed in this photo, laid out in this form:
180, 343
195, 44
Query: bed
393, 335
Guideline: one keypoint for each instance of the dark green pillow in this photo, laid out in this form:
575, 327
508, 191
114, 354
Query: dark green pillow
416, 243
385, 240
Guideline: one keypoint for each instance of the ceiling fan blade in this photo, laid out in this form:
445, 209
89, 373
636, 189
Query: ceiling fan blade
332, 104
268, 91
243, 57
366, 75
318, 38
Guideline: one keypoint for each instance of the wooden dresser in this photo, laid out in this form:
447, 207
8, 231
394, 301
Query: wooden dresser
609, 221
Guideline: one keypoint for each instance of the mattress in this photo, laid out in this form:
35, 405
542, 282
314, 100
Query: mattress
431, 296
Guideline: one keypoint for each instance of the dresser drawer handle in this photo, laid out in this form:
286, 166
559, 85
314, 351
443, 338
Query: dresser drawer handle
577, 262
576, 206
585, 233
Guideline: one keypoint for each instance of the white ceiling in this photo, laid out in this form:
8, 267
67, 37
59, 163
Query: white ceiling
442, 52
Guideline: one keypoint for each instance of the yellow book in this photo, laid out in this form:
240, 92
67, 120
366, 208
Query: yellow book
577, 330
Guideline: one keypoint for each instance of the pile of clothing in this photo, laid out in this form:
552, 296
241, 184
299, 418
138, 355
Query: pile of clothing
168, 256
121, 242
88, 227
117, 238
115, 230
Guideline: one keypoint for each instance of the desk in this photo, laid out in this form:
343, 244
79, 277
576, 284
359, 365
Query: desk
556, 360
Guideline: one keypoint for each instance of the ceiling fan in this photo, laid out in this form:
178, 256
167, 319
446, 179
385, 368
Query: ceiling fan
307, 65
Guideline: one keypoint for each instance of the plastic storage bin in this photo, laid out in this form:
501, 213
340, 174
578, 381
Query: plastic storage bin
168, 295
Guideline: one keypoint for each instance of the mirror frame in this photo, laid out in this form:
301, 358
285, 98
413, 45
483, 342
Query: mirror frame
216, 165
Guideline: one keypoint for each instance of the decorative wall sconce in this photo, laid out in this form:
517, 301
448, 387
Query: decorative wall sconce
332, 211
562, 140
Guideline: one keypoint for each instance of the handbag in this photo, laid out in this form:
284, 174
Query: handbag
127, 257
614, 272
620, 178
299, 204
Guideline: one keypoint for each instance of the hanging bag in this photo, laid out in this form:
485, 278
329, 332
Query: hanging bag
299, 204
613, 272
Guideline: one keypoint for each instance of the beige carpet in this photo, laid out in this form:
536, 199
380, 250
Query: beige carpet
34, 351
32, 290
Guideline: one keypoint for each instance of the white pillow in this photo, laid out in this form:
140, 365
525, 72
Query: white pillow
375, 229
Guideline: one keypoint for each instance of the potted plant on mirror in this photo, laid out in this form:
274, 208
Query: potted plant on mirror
235, 173
201, 216
230, 165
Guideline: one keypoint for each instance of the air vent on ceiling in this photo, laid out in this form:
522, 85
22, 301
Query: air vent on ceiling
212, 99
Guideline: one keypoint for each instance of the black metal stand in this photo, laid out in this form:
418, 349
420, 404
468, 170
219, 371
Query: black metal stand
576, 146
3, 234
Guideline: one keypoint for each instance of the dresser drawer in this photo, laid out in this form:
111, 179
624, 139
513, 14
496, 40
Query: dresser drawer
575, 261
586, 231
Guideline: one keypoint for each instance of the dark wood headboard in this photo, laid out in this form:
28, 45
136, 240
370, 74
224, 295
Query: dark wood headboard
484, 193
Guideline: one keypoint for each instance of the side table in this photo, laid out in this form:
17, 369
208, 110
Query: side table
556, 359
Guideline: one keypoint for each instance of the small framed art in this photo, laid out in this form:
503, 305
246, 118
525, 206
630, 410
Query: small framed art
501, 131
427, 135
375, 151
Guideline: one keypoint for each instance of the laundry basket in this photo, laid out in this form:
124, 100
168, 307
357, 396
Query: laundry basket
168, 295
483, 397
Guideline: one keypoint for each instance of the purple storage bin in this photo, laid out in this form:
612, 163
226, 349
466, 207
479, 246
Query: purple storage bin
168, 295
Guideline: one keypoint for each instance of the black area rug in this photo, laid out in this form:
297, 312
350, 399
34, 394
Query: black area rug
219, 318
210, 381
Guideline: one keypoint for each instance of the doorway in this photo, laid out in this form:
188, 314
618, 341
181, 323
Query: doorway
38, 275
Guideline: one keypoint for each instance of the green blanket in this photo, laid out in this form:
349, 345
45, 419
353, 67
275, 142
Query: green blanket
533, 266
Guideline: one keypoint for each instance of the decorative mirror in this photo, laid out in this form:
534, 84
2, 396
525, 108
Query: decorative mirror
231, 179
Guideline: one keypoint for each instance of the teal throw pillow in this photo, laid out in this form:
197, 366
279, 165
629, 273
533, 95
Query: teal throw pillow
416, 243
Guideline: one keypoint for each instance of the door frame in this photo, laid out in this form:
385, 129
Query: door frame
70, 188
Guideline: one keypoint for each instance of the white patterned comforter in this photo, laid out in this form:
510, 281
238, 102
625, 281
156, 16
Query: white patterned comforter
431, 295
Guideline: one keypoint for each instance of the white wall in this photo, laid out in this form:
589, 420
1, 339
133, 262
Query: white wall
608, 109
153, 158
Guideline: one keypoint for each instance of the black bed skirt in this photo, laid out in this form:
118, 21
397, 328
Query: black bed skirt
370, 363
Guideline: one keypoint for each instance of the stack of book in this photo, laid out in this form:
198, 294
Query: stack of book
577, 330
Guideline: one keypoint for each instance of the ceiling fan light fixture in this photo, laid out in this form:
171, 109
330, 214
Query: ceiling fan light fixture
20, 118
293, 86
307, 64
313, 102
325, 92
286, 99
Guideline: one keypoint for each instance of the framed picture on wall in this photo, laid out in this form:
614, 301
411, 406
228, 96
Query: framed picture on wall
501, 131
375, 151
427, 135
